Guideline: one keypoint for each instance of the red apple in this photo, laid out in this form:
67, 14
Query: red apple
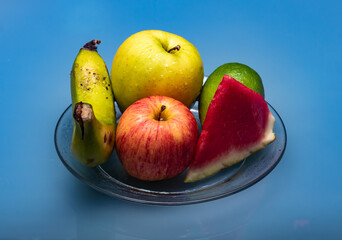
156, 138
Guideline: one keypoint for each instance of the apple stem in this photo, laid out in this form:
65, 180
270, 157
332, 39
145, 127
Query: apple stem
91, 46
174, 48
163, 107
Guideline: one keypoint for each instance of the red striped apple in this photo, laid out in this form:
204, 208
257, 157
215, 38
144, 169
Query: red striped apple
156, 138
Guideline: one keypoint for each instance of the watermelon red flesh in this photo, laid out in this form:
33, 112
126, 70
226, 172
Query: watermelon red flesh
238, 123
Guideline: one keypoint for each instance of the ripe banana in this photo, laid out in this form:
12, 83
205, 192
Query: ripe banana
93, 107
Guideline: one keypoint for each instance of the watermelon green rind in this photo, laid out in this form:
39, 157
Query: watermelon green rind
238, 123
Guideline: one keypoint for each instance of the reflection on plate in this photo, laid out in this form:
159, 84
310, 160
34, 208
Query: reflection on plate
110, 178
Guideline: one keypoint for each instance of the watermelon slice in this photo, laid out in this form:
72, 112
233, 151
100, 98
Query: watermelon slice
238, 123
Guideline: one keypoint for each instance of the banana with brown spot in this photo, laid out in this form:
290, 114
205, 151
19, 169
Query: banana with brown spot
93, 108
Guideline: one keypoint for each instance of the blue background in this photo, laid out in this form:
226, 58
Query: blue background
294, 45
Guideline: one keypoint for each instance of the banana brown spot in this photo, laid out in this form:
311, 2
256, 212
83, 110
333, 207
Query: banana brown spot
77, 114
90, 160
105, 138
110, 138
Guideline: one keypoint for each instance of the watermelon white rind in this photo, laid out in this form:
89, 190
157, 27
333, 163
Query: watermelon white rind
238, 124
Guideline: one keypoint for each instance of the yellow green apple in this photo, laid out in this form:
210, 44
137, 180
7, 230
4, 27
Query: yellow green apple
155, 62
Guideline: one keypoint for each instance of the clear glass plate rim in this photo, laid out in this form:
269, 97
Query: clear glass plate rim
174, 203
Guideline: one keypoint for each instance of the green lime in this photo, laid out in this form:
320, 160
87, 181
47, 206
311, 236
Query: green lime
240, 72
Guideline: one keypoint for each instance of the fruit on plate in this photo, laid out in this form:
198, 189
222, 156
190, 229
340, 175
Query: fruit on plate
155, 62
239, 72
93, 108
156, 138
238, 123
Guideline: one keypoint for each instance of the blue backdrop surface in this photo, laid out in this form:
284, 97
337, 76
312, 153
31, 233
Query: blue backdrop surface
295, 46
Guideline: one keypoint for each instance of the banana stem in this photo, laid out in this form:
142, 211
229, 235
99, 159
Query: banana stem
82, 113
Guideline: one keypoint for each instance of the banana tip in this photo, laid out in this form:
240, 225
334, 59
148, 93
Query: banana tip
91, 45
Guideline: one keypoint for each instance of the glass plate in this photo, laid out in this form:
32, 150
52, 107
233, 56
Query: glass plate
110, 178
